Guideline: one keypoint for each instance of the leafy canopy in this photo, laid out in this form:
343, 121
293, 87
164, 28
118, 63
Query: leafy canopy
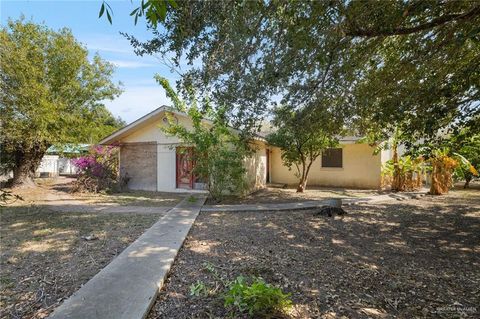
51, 92
380, 63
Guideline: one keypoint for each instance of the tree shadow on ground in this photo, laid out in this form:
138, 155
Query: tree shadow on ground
44, 258
408, 259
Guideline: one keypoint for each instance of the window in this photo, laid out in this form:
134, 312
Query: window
332, 157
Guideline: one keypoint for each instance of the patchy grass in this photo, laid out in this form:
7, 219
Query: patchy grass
44, 259
134, 198
412, 259
57, 191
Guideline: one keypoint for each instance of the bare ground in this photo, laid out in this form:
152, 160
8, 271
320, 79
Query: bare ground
58, 192
44, 259
412, 259
288, 195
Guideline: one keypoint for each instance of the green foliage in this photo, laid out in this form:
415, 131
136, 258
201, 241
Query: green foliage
410, 66
51, 94
154, 11
245, 295
192, 199
220, 152
198, 289
410, 171
381, 62
467, 148
302, 136
257, 298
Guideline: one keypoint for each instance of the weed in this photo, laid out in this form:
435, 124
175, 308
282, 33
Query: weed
257, 298
198, 289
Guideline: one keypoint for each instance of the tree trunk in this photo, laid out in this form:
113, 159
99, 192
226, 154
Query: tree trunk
396, 178
441, 177
435, 188
302, 185
468, 178
27, 161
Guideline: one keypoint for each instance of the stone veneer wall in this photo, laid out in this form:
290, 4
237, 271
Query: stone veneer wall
139, 162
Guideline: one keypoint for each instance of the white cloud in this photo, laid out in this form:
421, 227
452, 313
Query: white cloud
131, 64
107, 43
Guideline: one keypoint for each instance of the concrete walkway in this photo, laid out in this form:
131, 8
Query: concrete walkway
127, 287
309, 204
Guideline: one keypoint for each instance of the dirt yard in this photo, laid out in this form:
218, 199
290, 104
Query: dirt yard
284, 195
44, 258
58, 192
399, 259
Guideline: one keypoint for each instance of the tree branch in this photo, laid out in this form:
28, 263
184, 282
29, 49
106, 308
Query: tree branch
421, 27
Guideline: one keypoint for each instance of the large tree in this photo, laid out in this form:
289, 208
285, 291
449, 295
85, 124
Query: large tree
419, 57
51, 93
425, 84
246, 54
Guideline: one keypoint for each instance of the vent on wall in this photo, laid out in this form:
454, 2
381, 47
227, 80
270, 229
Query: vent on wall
172, 117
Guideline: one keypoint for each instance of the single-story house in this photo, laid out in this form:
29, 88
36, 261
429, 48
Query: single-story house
154, 161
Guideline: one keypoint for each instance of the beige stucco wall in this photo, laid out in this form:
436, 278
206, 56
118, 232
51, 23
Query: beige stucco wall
256, 166
361, 169
151, 132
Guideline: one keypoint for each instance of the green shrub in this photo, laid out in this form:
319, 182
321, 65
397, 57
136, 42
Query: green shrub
257, 298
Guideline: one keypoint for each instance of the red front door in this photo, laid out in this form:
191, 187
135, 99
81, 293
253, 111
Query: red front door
185, 167
267, 178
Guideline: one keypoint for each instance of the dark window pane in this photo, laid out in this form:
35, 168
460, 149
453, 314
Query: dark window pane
332, 157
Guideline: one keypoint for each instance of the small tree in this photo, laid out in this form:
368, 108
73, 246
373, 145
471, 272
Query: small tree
403, 174
219, 151
468, 146
443, 166
302, 137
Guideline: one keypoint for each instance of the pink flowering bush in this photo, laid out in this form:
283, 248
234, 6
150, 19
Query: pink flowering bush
97, 171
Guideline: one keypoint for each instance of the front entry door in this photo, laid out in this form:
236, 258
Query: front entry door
185, 167
267, 171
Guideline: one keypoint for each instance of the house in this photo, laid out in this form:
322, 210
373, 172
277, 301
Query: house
154, 161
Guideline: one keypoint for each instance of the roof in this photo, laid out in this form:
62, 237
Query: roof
68, 149
143, 121
148, 119
155, 114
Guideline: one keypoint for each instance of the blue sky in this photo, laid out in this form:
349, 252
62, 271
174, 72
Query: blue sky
141, 93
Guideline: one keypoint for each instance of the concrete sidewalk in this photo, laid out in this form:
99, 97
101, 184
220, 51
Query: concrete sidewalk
127, 287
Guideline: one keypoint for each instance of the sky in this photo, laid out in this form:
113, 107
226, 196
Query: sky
141, 93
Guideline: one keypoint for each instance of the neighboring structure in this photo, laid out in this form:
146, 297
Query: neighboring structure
57, 161
157, 162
